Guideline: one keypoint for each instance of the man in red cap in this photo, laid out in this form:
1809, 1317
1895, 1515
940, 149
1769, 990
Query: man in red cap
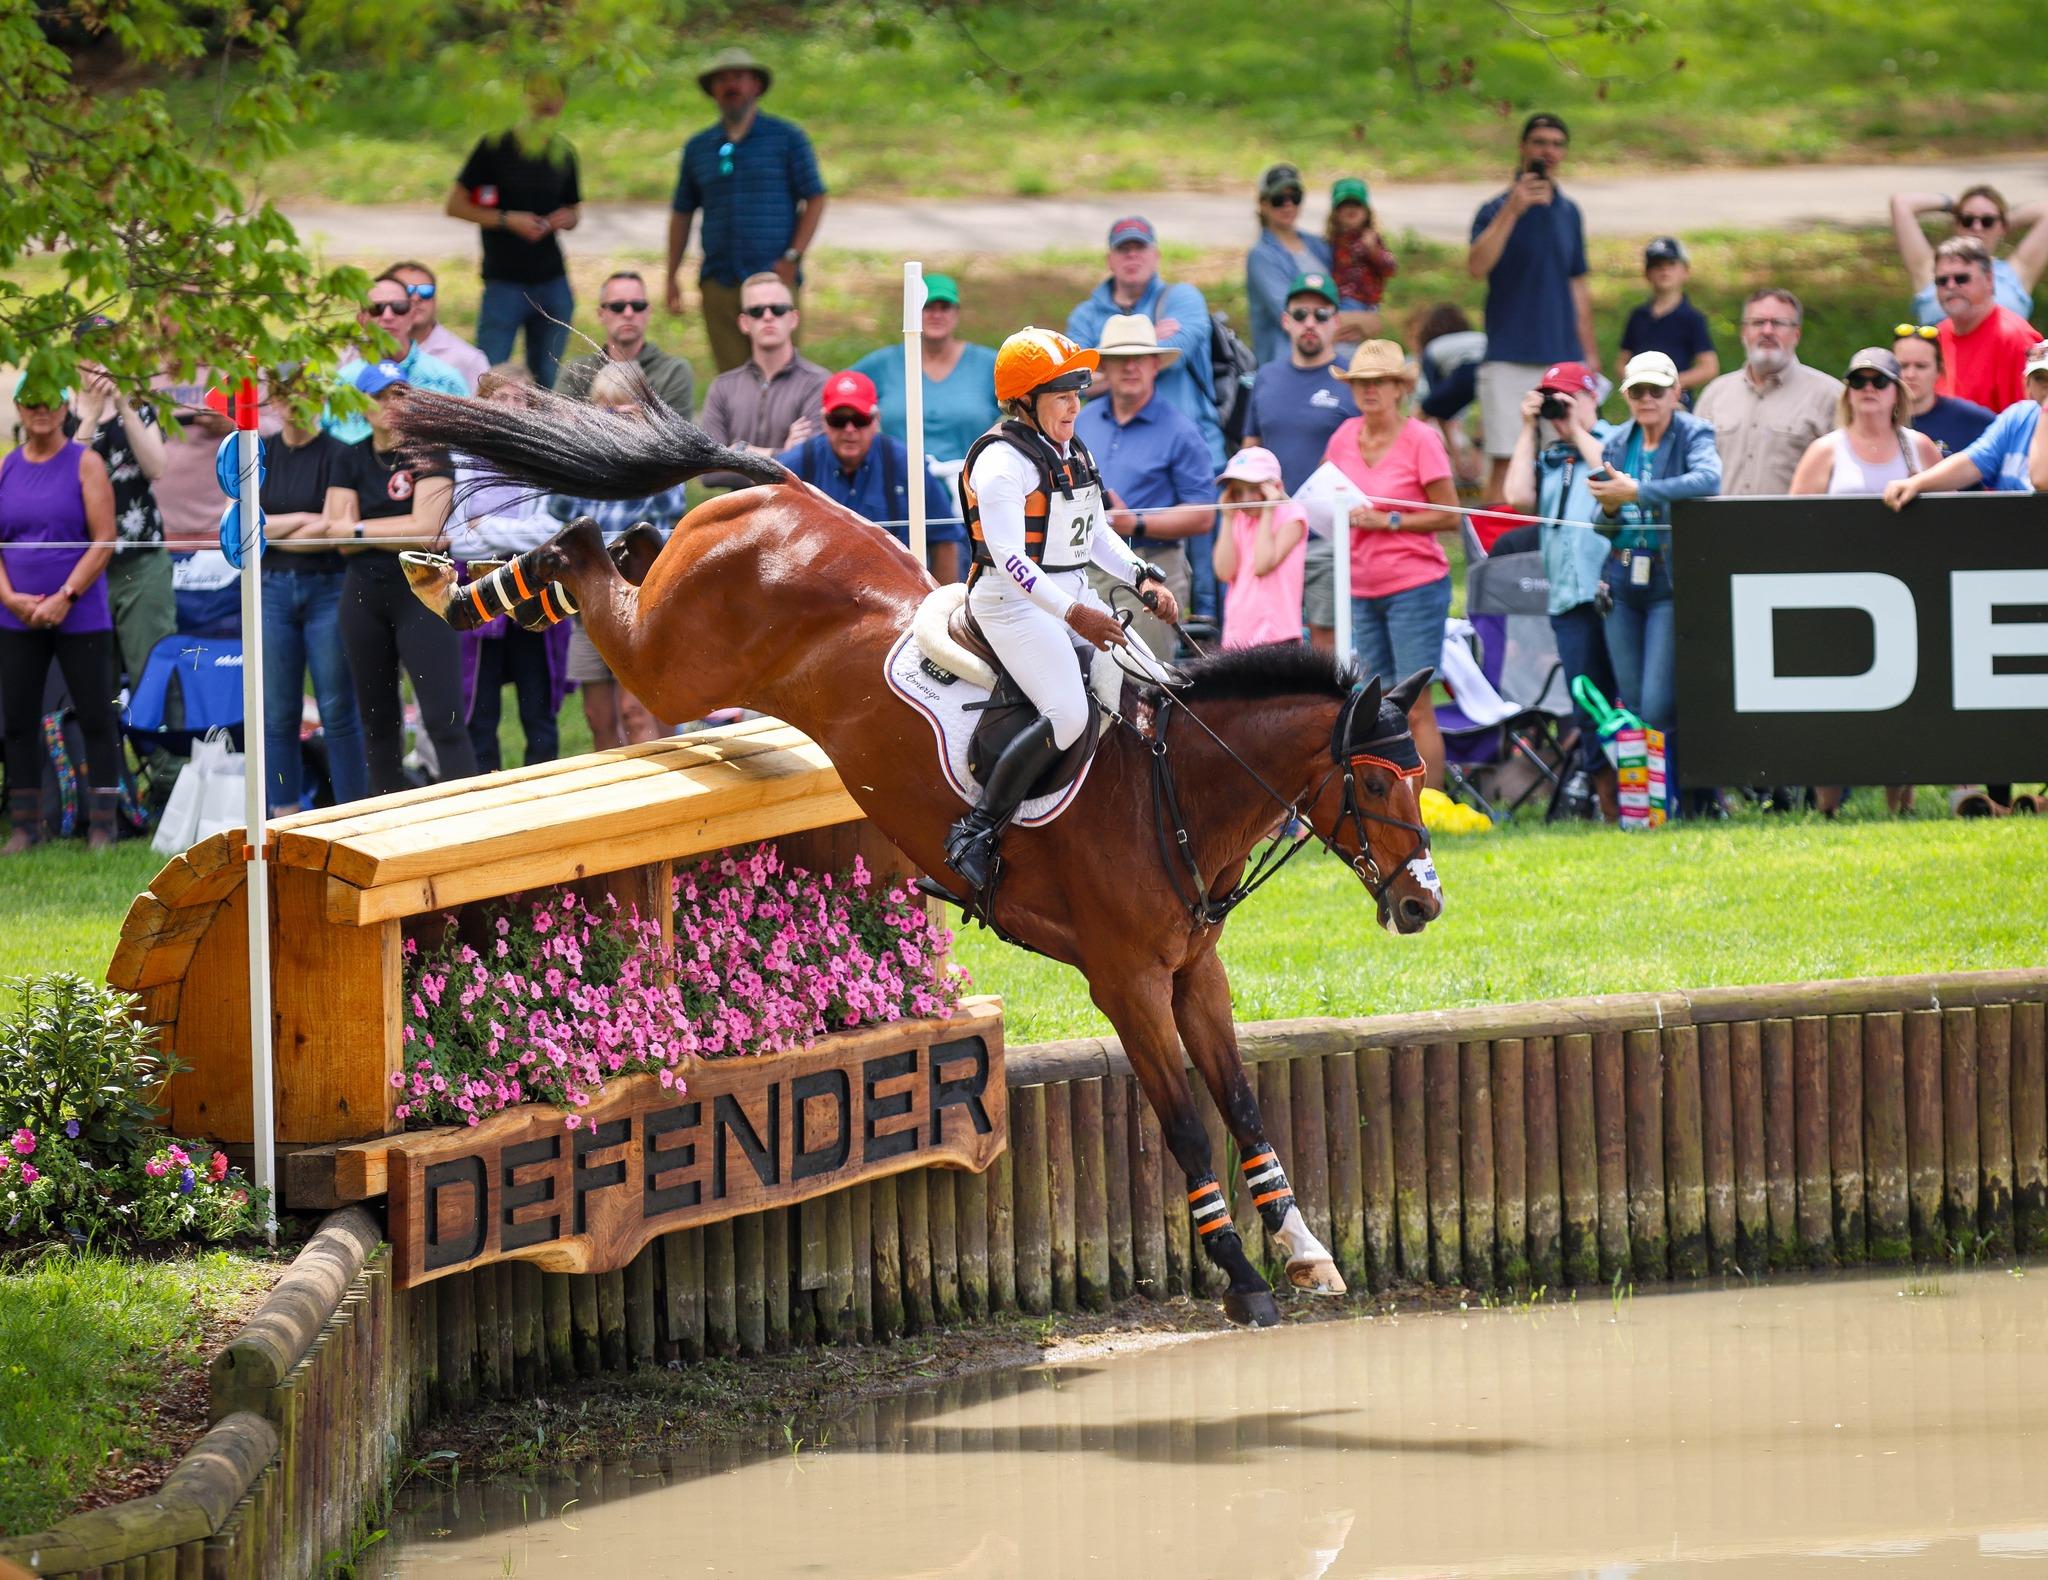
1548, 479
864, 469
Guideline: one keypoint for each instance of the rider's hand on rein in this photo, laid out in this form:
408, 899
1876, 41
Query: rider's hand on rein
1096, 627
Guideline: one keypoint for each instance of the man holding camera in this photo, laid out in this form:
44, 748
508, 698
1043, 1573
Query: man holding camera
1529, 245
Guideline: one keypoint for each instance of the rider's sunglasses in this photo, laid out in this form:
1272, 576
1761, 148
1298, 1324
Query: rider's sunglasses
846, 418
1302, 315
769, 309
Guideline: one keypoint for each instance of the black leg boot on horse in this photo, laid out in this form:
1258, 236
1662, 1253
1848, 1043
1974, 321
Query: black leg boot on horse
972, 843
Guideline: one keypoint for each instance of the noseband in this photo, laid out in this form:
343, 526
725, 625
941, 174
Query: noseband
1400, 759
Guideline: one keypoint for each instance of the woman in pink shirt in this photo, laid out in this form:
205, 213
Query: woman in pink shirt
1400, 577
1261, 554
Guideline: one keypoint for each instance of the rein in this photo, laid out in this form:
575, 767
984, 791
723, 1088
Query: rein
1177, 852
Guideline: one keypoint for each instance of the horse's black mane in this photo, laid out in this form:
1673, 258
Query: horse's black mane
1275, 669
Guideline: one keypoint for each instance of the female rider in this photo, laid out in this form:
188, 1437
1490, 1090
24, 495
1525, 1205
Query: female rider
1034, 507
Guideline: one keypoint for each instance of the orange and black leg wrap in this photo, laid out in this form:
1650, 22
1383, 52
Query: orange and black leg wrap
1267, 1182
1210, 1212
515, 589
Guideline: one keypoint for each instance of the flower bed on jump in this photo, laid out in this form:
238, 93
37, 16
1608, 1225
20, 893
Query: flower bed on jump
545, 997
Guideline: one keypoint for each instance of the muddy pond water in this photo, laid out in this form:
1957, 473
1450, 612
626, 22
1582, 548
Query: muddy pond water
1895, 1426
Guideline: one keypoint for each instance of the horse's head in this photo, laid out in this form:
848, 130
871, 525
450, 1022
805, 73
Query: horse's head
1368, 810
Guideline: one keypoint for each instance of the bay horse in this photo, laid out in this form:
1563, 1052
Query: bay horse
773, 597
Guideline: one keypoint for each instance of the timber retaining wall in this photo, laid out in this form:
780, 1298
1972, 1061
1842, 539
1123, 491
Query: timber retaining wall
1630, 1138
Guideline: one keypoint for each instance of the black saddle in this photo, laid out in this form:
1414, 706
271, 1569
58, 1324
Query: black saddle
1008, 711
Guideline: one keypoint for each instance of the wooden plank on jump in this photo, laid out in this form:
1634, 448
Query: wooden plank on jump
1610, 1118
1376, 1166
1781, 1147
1409, 1106
1578, 1161
2030, 1125
1752, 1188
1033, 1214
1510, 1162
1925, 1134
1116, 1181
913, 1214
1148, 1189
1994, 1128
1810, 1140
1887, 1229
1475, 1128
1543, 1188
1845, 1135
1002, 1234
942, 1203
1717, 1145
1959, 1120
1649, 1230
1446, 1164
1091, 1198
886, 1230
1345, 1143
1685, 1180
1311, 1144
1059, 1180
860, 1213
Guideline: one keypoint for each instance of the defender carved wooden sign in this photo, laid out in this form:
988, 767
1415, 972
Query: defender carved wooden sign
740, 1136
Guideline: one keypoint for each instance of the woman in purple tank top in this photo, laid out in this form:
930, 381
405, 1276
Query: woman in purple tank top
53, 605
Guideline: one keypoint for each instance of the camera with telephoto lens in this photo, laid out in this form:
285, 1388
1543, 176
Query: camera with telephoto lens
1554, 406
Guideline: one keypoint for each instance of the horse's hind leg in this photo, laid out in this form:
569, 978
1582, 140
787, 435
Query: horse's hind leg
1141, 1011
635, 550
1201, 1009
539, 588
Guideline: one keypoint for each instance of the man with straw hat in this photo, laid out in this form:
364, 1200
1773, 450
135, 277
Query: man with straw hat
756, 180
1154, 462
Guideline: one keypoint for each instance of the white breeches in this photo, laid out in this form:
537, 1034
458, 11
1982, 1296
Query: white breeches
1037, 648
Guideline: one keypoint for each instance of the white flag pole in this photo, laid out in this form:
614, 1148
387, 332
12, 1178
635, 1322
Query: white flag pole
256, 798
1340, 567
913, 401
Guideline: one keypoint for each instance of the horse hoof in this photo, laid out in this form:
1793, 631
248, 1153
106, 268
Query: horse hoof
1252, 1308
431, 577
1317, 1276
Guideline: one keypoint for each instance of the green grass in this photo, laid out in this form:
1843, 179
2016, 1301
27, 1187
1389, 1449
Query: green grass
1042, 99
1551, 913
84, 1339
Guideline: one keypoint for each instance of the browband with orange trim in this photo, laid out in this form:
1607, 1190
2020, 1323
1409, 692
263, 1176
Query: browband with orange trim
1393, 768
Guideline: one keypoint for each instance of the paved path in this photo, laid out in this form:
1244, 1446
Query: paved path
1784, 198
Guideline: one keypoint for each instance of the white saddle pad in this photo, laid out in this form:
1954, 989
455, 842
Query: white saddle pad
943, 698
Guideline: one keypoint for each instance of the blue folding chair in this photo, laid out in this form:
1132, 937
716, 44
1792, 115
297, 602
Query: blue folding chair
189, 686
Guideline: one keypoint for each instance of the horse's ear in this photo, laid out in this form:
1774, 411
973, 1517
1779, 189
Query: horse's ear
1364, 703
1403, 696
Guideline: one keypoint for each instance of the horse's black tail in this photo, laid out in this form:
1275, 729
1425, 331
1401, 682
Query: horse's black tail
551, 444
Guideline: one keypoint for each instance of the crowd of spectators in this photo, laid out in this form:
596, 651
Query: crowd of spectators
1200, 473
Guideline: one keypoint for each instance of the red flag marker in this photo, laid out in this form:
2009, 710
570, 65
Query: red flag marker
216, 401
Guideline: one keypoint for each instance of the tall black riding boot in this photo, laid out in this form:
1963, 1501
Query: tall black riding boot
971, 845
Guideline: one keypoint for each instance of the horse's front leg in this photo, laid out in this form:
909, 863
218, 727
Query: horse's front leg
1140, 1006
1201, 1010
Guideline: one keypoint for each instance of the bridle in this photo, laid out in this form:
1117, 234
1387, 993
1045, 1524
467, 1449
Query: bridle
1347, 758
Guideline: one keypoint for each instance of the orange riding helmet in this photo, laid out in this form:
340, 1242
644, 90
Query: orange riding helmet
1034, 359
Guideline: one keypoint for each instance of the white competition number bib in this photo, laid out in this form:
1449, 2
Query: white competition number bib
1070, 528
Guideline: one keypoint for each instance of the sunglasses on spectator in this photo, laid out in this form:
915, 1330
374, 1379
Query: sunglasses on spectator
424, 293
1915, 332
1770, 323
1285, 199
1865, 379
388, 309
769, 309
634, 304
1980, 221
1955, 279
848, 418
1646, 391
1302, 315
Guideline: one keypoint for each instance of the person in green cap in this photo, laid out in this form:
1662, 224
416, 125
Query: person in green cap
756, 181
1358, 258
959, 378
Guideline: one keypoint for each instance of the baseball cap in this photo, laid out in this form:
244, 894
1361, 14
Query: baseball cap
2037, 359
1279, 178
1314, 284
1349, 190
1649, 367
855, 391
1875, 359
1253, 464
1133, 227
941, 288
378, 377
1569, 378
1665, 249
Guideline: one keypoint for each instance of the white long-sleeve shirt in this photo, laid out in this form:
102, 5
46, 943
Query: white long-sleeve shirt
498, 520
1002, 478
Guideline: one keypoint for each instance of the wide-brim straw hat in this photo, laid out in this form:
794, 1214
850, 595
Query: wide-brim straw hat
738, 59
1132, 335
1376, 359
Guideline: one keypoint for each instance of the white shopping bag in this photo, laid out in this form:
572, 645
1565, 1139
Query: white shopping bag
207, 799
